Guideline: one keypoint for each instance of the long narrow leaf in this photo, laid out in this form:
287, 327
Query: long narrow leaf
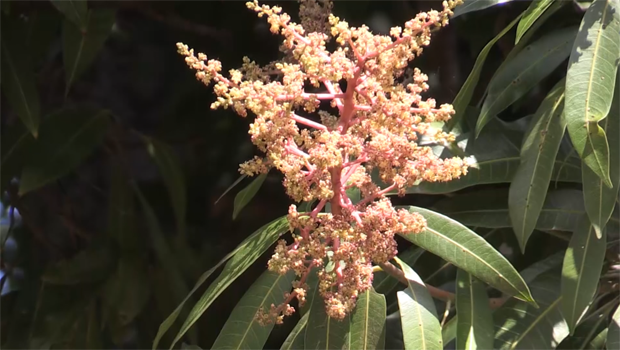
475, 5
245, 195
368, 322
295, 339
590, 83
465, 249
324, 332
385, 283
421, 329
613, 335
533, 13
475, 323
581, 271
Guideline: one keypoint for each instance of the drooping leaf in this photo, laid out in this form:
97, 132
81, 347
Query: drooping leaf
448, 331
238, 261
475, 322
489, 209
463, 98
76, 11
324, 332
524, 71
522, 326
543, 266
613, 335
295, 339
241, 330
465, 249
581, 271
126, 292
384, 283
231, 187
64, 142
421, 329
475, 5
82, 44
368, 322
16, 142
170, 170
588, 330
245, 195
590, 83
599, 199
90, 265
538, 154
18, 79
533, 13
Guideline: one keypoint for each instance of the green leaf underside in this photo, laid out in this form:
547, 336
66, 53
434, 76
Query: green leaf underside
538, 153
581, 271
421, 328
81, 45
533, 13
489, 209
324, 332
522, 326
65, 141
170, 169
245, 195
599, 199
475, 324
524, 71
475, 5
465, 249
368, 322
295, 339
238, 261
18, 78
613, 335
241, 330
590, 83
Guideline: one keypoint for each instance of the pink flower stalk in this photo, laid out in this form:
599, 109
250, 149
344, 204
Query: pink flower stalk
322, 155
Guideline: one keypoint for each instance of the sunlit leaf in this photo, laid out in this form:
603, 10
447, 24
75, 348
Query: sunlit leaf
538, 154
463, 98
245, 195
581, 271
587, 332
383, 282
475, 5
238, 261
475, 322
81, 45
64, 142
324, 332
170, 170
295, 339
524, 71
613, 335
18, 78
448, 331
590, 83
421, 329
75, 11
368, 322
522, 326
533, 13
465, 249
241, 330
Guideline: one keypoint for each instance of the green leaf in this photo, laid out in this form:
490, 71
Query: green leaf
75, 11
463, 98
489, 209
90, 265
475, 322
245, 195
475, 5
295, 339
421, 329
170, 170
613, 335
384, 283
538, 153
121, 212
581, 271
586, 334
540, 267
82, 44
16, 142
599, 199
324, 332
448, 331
18, 78
590, 83
240, 259
368, 322
242, 331
522, 326
65, 141
126, 292
231, 187
533, 13
462, 247
185, 346
524, 71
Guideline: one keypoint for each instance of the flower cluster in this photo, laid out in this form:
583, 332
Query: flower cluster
373, 128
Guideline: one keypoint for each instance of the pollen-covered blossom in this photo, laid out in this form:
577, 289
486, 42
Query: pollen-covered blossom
374, 126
